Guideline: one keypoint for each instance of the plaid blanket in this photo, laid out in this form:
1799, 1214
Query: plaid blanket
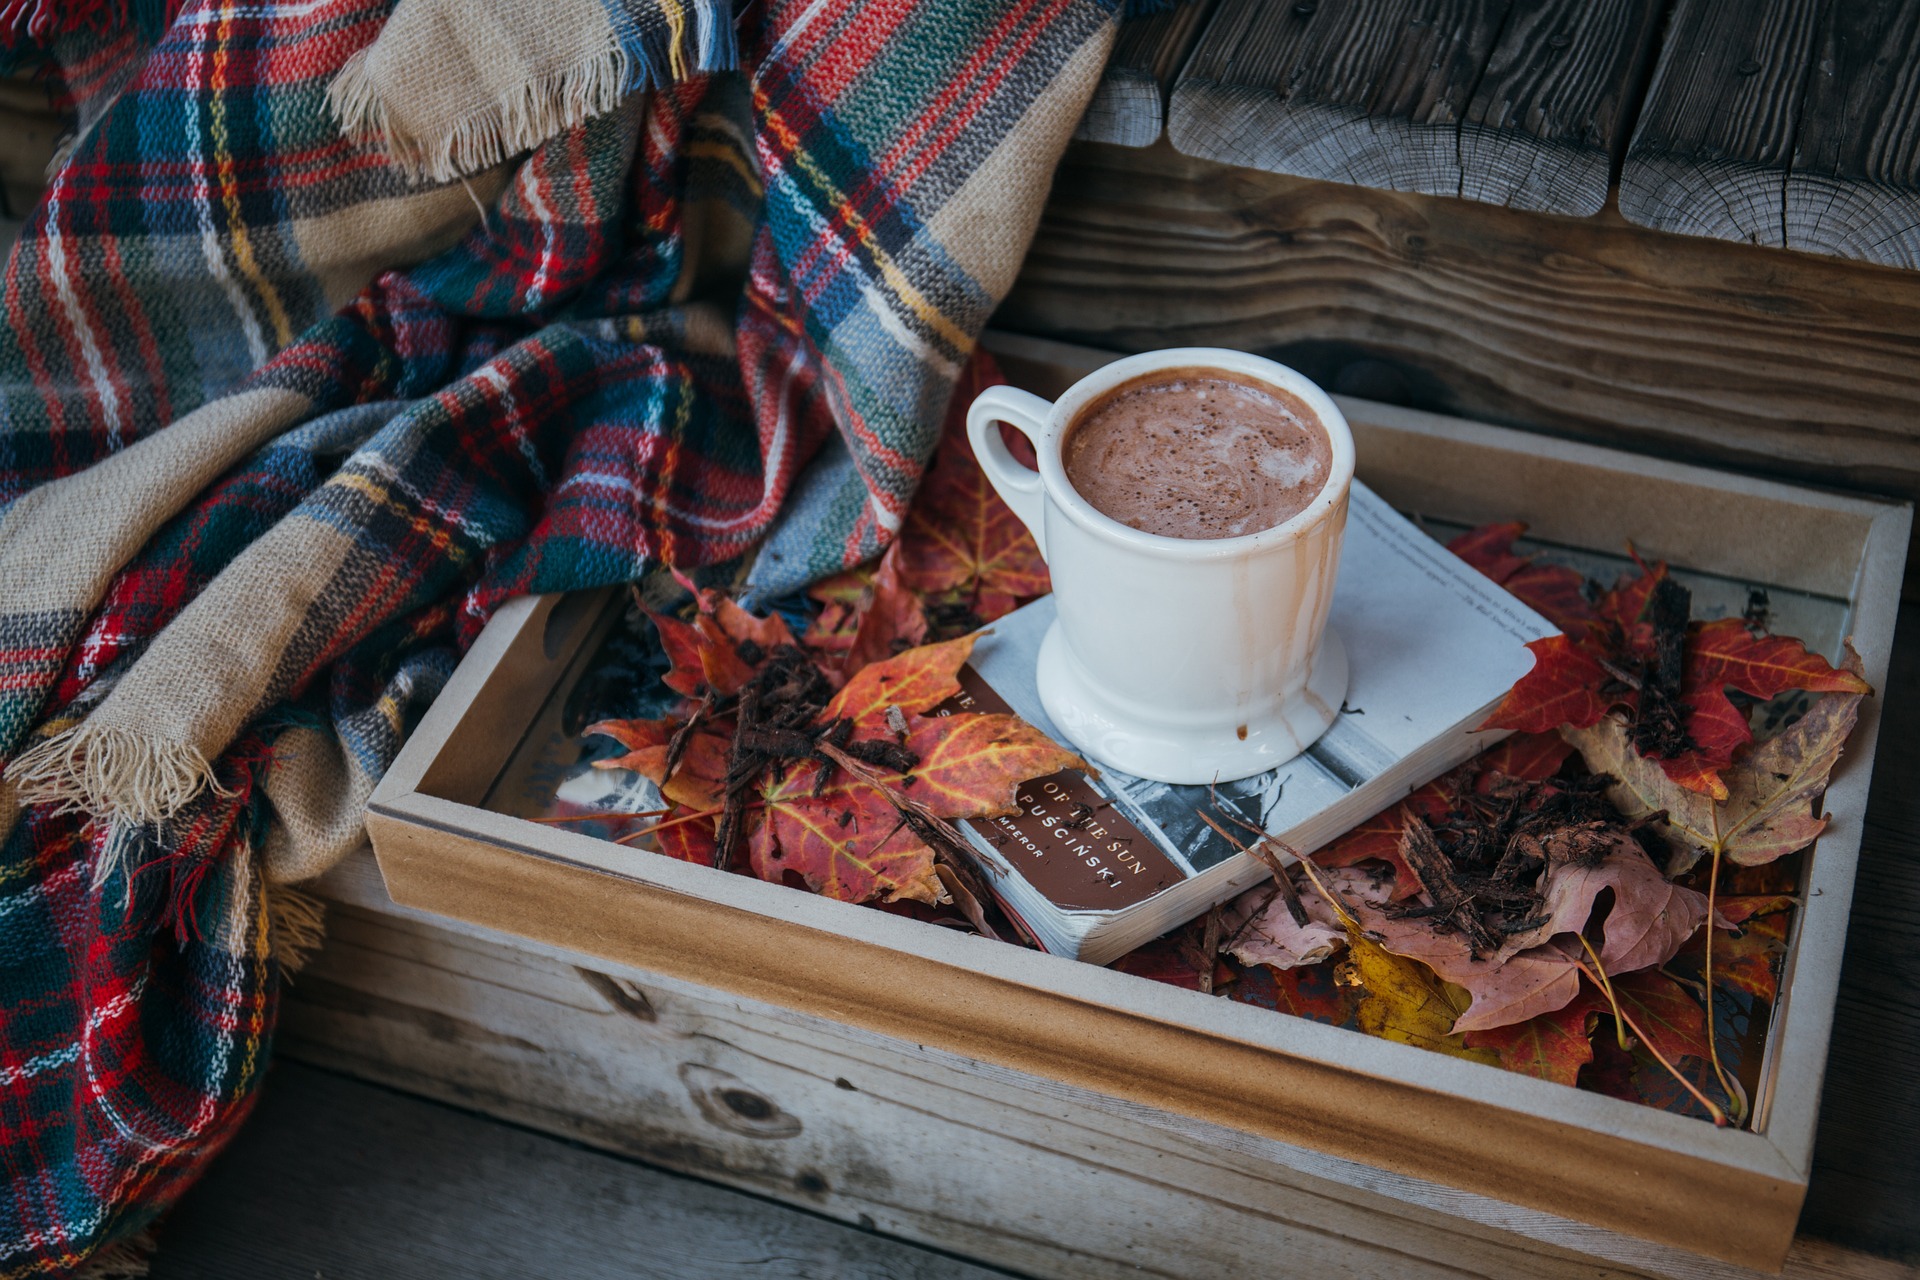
281, 424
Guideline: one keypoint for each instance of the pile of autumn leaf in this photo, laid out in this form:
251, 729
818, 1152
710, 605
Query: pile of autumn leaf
829, 761
1567, 905
1541, 898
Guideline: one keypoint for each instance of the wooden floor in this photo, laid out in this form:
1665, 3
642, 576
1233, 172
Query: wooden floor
338, 1180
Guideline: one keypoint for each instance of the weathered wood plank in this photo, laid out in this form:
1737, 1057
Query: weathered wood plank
331, 1177
1798, 366
1854, 189
921, 1144
1517, 104
1363, 91
1716, 132
336, 1178
912, 1142
1129, 106
1865, 1189
1548, 121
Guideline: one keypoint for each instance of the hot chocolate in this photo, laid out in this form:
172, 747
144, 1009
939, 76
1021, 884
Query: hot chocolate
1193, 454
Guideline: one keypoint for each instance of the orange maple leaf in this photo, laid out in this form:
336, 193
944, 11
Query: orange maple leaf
915, 681
697, 776
841, 598
721, 648
972, 765
838, 790
1749, 961
889, 617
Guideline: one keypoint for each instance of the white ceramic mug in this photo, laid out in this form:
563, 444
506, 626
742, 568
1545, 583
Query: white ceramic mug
1177, 659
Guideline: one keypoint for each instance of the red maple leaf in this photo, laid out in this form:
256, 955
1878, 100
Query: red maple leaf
1725, 654
1549, 1046
1490, 549
1556, 592
1626, 604
689, 840
1378, 838
852, 845
960, 539
1673, 1022
1531, 757
1307, 991
1567, 685
1174, 959
1580, 676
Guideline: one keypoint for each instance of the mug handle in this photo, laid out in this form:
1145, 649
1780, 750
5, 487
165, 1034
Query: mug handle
1018, 487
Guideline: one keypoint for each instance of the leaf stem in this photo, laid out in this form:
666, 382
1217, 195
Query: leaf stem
1282, 881
1606, 987
671, 822
601, 817
1333, 899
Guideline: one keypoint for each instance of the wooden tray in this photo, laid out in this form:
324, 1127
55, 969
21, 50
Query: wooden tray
1525, 1155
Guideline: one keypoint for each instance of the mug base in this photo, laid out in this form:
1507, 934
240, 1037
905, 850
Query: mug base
1190, 751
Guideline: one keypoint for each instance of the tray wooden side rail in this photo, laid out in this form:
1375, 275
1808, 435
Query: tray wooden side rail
1410, 1119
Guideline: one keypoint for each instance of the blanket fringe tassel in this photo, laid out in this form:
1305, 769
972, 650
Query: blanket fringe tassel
111, 773
296, 926
519, 121
128, 1259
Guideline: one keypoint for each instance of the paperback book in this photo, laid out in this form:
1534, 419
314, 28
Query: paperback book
1096, 865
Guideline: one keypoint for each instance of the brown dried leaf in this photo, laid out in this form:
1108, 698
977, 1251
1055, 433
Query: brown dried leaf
1771, 791
1261, 929
1405, 1001
1648, 918
1522, 986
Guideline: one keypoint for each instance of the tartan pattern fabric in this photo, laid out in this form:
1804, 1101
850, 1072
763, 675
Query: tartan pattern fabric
671, 313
